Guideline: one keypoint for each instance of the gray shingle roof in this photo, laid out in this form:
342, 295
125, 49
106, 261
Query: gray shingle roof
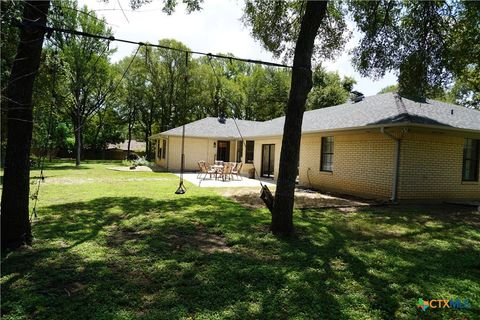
211, 127
383, 109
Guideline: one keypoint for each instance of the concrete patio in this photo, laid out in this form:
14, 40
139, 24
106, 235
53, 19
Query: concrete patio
219, 183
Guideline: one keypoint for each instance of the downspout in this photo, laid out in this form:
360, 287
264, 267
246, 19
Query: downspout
396, 163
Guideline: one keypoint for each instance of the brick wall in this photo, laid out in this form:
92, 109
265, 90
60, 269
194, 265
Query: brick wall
363, 164
431, 166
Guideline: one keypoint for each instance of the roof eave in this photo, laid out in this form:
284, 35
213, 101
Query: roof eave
160, 135
376, 126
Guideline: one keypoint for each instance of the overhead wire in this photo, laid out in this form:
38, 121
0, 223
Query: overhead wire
50, 29
112, 38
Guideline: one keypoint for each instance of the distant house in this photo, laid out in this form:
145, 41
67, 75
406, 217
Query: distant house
382, 146
118, 151
134, 146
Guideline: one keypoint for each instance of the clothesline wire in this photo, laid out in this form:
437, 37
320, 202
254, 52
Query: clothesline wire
50, 29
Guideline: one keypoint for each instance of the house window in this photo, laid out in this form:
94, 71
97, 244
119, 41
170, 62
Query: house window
249, 151
470, 160
239, 150
164, 148
159, 149
326, 159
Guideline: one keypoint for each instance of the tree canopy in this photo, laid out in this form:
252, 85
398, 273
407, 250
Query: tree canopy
328, 89
428, 43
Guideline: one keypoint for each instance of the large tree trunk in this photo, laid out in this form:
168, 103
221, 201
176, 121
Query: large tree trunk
78, 141
16, 228
282, 214
129, 141
147, 144
131, 119
78, 122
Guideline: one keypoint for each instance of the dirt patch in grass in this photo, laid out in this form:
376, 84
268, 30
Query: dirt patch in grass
118, 235
442, 212
199, 240
304, 198
138, 169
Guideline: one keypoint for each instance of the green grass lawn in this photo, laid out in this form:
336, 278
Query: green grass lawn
122, 245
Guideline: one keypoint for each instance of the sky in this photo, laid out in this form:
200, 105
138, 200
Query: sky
217, 28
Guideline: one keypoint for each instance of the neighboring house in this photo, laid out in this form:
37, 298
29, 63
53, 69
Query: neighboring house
383, 146
119, 151
135, 146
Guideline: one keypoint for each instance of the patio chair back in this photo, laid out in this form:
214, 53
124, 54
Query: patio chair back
237, 168
202, 167
227, 171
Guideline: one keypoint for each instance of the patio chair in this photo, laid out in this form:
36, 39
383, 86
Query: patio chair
209, 170
204, 170
201, 166
237, 169
227, 171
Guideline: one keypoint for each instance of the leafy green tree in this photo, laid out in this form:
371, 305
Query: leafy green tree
390, 88
129, 97
169, 77
463, 53
466, 90
427, 42
267, 93
328, 89
104, 127
62, 137
47, 101
204, 88
165, 88
85, 65
10, 11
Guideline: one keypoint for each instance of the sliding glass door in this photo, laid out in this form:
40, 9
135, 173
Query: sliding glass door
268, 160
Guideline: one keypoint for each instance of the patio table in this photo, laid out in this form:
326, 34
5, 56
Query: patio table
218, 168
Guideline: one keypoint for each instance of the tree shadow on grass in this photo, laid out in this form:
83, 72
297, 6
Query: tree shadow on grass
412, 253
207, 256
167, 259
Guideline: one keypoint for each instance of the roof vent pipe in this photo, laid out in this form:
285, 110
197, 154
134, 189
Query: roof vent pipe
222, 118
356, 96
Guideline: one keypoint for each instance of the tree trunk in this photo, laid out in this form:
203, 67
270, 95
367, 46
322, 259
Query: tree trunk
78, 143
147, 144
131, 115
99, 128
78, 134
15, 227
282, 214
129, 141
